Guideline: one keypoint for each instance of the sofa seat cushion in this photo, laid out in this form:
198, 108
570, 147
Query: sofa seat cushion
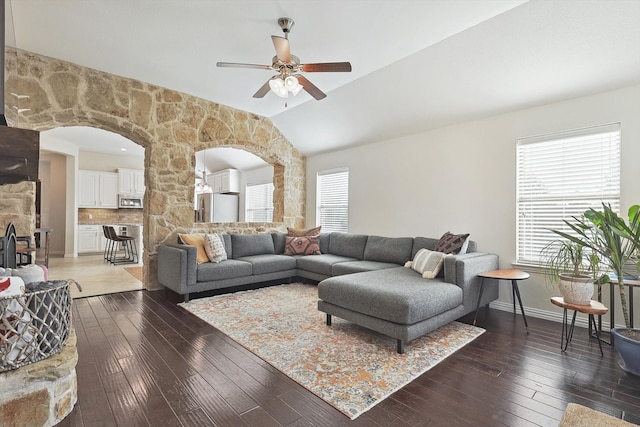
359, 266
397, 295
228, 269
320, 264
269, 263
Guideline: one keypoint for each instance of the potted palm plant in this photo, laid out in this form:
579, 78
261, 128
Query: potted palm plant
617, 243
573, 268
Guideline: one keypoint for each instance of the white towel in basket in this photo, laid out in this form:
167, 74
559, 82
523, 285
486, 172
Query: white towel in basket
17, 335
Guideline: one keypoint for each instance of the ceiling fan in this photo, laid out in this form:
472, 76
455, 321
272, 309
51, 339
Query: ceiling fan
288, 66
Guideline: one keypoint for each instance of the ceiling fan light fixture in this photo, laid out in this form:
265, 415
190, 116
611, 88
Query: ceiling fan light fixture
296, 90
291, 83
277, 85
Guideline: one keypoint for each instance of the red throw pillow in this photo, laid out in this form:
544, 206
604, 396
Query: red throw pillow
302, 245
451, 243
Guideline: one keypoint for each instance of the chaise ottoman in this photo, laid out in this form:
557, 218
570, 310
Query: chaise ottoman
396, 302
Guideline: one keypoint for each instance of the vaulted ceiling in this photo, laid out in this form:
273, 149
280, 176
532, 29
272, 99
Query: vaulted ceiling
417, 64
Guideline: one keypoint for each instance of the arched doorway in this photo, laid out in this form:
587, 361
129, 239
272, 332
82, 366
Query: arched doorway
169, 125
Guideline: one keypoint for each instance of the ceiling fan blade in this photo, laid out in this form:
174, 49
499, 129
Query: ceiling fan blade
326, 67
283, 50
311, 88
239, 65
263, 90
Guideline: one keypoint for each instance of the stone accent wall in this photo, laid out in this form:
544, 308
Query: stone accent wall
42, 393
18, 205
170, 125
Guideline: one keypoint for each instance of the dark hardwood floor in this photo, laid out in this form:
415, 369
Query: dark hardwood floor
143, 361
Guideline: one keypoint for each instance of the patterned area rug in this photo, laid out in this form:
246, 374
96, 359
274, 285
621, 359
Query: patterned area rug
135, 272
349, 367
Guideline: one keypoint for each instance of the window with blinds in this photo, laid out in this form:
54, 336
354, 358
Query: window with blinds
560, 176
259, 202
333, 200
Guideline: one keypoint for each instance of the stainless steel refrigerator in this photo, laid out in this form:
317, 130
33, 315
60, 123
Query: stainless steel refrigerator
215, 207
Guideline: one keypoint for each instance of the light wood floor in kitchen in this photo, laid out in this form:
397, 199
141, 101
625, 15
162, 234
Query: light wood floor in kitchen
94, 275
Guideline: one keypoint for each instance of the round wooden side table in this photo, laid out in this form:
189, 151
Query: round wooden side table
513, 275
594, 308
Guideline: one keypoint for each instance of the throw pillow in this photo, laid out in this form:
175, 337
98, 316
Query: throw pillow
452, 243
428, 263
214, 246
303, 232
302, 245
196, 240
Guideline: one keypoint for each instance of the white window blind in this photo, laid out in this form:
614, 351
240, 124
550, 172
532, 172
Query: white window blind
333, 200
560, 176
259, 202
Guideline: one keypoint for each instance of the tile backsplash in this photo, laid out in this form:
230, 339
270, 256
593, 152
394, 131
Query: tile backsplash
109, 216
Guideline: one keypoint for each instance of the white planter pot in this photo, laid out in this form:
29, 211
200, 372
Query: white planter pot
576, 289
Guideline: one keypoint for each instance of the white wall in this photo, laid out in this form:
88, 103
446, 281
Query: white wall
108, 163
54, 200
461, 178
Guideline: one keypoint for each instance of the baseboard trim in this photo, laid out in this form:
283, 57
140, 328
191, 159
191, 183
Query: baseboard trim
581, 320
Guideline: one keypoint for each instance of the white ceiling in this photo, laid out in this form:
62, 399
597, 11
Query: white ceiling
417, 64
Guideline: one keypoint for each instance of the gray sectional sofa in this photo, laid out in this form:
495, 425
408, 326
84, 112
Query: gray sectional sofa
361, 278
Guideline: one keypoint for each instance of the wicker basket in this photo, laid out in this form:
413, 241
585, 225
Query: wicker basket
34, 325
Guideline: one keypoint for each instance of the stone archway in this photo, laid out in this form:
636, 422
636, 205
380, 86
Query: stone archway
170, 125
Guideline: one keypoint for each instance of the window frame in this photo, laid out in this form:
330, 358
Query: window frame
552, 207
266, 209
321, 205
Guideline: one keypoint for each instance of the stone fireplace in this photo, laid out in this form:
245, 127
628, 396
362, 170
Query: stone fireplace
42, 393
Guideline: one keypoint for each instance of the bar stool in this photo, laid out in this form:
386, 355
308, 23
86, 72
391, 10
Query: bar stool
107, 247
129, 246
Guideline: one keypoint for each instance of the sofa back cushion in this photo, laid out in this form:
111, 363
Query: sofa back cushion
324, 242
279, 242
226, 238
348, 245
423, 243
251, 244
396, 250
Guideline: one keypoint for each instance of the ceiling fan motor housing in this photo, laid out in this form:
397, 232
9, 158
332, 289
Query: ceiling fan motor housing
286, 24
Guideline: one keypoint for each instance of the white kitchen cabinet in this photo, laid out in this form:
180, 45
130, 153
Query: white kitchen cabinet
97, 189
90, 239
225, 181
130, 181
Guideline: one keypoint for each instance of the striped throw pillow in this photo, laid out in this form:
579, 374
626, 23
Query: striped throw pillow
214, 246
428, 263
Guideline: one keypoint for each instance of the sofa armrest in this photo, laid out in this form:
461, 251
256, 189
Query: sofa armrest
177, 266
463, 271
459, 269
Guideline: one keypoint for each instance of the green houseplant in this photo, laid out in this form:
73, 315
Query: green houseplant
617, 243
574, 268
